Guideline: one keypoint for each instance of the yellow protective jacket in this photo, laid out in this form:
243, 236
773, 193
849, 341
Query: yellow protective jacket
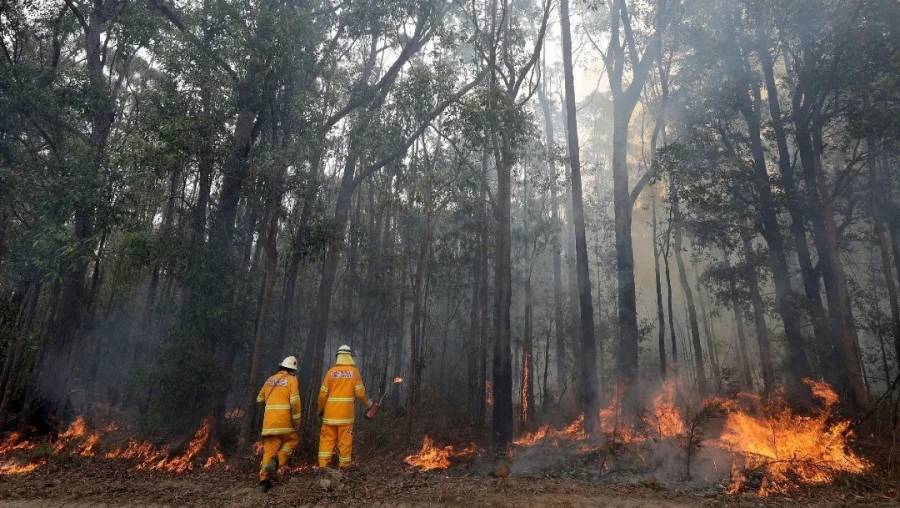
281, 395
341, 386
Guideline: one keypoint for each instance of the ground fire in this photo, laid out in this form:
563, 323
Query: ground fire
785, 449
472, 252
431, 457
78, 440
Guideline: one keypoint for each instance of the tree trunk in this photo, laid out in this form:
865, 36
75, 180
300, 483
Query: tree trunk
502, 360
688, 296
746, 378
660, 315
879, 212
588, 356
558, 325
710, 339
669, 298
759, 316
798, 366
826, 236
813, 300
13, 365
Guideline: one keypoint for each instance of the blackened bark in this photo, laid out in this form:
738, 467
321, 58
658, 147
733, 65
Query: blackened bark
588, 356
502, 359
813, 298
558, 325
660, 315
12, 369
759, 315
798, 366
697, 347
825, 233
880, 210
744, 371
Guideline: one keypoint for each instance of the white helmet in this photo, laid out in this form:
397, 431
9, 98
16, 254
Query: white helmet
345, 349
289, 363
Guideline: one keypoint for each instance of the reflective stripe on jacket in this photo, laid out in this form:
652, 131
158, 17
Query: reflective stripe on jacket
341, 386
281, 395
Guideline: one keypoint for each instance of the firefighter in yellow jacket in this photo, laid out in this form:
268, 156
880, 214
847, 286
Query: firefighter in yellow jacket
341, 387
281, 423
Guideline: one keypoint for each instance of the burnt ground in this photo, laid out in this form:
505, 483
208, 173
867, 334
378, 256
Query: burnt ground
385, 481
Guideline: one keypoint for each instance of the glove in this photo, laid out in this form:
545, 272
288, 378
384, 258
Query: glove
370, 404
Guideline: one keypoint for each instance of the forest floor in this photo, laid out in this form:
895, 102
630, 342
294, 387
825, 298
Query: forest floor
384, 481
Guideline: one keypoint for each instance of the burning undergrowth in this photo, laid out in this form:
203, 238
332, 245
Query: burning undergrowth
741, 444
431, 457
775, 449
19, 455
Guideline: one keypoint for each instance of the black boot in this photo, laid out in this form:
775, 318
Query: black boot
265, 485
272, 470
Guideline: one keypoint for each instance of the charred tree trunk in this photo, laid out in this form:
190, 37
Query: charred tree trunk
798, 366
879, 217
588, 356
826, 236
660, 315
744, 371
688, 296
12, 369
502, 359
759, 315
813, 298
558, 325
669, 302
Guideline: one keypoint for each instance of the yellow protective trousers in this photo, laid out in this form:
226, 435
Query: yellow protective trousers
342, 435
281, 445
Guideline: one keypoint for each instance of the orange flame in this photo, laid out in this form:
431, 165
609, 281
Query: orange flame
398, 380
572, 432
787, 448
10, 468
184, 462
431, 457
78, 440
15, 442
215, 459
665, 419
614, 422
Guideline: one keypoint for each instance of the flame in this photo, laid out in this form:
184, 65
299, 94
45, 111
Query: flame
87, 448
616, 424
76, 429
789, 449
142, 451
398, 380
431, 457
184, 462
15, 442
10, 468
215, 459
488, 393
78, 440
572, 432
665, 419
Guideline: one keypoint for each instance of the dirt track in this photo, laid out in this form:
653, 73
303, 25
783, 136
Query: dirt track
86, 482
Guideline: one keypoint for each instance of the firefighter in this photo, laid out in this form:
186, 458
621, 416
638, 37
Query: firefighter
341, 387
281, 424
